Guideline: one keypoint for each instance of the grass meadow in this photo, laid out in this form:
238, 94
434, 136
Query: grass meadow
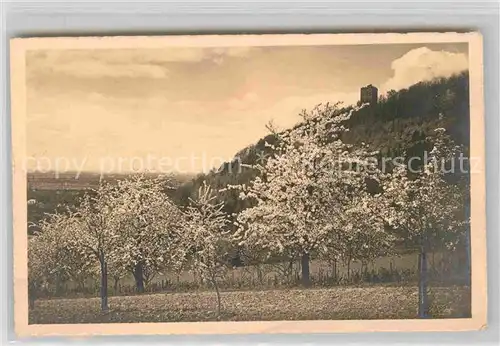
341, 303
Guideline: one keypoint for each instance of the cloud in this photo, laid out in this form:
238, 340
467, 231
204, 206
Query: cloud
128, 63
423, 64
94, 64
101, 69
246, 101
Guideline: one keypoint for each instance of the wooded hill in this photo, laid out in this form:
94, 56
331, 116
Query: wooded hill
397, 125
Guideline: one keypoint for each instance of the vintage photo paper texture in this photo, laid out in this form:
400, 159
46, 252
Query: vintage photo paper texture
228, 184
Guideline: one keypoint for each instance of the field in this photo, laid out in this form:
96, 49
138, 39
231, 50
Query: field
372, 302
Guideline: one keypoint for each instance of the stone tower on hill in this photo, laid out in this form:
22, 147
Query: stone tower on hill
369, 94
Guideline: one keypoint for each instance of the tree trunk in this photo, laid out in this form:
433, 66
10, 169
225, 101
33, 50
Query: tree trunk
115, 286
306, 280
259, 274
219, 303
288, 272
81, 285
335, 269
423, 302
139, 277
59, 286
349, 271
104, 284
364, 271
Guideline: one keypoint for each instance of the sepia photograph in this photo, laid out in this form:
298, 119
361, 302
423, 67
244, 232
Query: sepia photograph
295, 183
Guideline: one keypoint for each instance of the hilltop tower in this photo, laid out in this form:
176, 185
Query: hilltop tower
369, 94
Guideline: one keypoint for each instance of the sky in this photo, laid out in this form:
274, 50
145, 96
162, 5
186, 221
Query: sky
187, 109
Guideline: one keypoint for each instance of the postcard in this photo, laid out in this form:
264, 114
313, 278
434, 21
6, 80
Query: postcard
229, 184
